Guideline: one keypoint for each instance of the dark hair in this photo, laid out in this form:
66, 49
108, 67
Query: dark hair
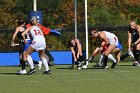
95, 29
20, 22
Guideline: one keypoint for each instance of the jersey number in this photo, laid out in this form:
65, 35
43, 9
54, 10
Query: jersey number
37, 32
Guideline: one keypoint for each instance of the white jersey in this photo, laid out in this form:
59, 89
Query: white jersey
112, 38
38, 42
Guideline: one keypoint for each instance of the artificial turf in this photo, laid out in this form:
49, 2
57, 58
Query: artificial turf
125, 78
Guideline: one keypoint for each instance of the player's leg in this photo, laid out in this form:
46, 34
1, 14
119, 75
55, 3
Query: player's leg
45, 61
30, 50
124, 56
51, 59
110, 48
136, 55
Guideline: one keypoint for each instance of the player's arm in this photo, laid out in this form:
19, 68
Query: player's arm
104, 38
129, 40
14, 35
23, 34
79, 47
73, 53
138, 41
99, 47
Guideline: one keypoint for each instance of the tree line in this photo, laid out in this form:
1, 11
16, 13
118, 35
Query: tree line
60, 14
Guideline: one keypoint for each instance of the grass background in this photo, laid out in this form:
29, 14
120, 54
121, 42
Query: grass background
124, 79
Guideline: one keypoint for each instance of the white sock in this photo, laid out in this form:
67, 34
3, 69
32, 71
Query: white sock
100, 60
45, 63
112, 58
30, 61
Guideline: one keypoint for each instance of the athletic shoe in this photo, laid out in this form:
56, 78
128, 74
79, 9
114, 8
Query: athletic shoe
85, 67
47, 72
113, 65
136, 64
31, 71
104, 67
22, 72
19, 72
39, 65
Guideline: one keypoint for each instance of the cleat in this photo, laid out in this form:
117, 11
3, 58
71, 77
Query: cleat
47, 72
19, 72
136, 64
104, 67
113, 65
22, 72
84, 67
39, 65
31, 71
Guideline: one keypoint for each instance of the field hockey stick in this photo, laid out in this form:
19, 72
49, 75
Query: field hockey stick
131, 53
87, 60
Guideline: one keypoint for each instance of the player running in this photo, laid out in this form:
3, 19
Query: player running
38, 44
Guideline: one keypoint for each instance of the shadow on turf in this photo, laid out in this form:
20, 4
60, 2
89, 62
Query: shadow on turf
12, 73
63, 68
8, 73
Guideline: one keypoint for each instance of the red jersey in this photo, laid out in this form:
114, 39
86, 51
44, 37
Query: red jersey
44, 29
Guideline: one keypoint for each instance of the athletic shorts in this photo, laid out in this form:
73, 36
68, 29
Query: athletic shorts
114, 41
119, 46
27, 45
39, 44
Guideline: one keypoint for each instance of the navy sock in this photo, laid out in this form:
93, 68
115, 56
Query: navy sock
104, 60
22, 64
35, 62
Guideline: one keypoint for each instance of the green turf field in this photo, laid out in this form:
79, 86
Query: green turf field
124, 79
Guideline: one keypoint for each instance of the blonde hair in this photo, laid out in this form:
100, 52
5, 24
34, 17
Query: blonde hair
33, 21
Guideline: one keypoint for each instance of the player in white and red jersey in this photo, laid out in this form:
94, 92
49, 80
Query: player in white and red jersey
38, 44
111, 41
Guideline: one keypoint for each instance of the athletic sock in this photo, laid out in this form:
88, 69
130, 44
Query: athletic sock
45, 63
22, 64
112, 58
104, 60
100, 60
30, 61
35, 62
81, 58
136, 55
